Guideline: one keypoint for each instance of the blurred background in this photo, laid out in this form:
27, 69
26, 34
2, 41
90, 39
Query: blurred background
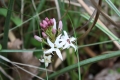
21, 19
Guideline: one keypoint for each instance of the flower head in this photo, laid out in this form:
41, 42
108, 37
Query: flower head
67, 42
57, 43
55, 47
45, 24
46, 60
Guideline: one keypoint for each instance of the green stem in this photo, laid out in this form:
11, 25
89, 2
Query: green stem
7, 22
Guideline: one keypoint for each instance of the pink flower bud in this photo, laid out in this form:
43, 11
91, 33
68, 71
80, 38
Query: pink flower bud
44, 35
41, 24
45, 23
54, 23
44, 26
46, 19
38, 38
54, 31
51, 21
60, 25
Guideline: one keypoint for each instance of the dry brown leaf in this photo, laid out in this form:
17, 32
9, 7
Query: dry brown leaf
108, 74
23, 57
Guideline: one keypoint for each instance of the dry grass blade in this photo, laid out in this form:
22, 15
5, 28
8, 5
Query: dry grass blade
85, 25
2, 70
90, 12
105, 15
58, 9
94, 22
20, 67
42, 69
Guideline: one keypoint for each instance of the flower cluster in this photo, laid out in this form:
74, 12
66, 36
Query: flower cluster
53, 37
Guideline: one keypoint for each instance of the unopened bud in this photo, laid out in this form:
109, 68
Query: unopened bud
38, 38
51, 21
54, 25
45, 23
54, 31
44, 26
44, 35
46, 19
41, 24
60, 25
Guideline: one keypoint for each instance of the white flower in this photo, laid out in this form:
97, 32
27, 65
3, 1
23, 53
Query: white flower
55, 47
46, 60
67, 42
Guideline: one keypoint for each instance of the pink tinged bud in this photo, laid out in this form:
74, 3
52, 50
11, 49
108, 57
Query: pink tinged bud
46, 19
60, 25
38, 38
44, 35
54, 25
54, 31
45, 23
41, 24
44, 26
51, 21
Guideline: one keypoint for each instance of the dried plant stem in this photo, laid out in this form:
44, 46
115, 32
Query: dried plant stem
2, 70
11, 36
71, 2
89, 52
58, 9
21, 29
90, 13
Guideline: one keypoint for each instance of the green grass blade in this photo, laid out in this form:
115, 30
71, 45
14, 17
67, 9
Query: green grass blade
113, 7
0, 46
7, 22
15, 19
29, 19
84, 62
40, 50
79, 72
41, 4
6, 30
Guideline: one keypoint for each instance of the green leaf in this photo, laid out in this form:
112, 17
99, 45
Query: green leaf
15, 19
85, 62
7, 22
113, 7
0, 46
40, 50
